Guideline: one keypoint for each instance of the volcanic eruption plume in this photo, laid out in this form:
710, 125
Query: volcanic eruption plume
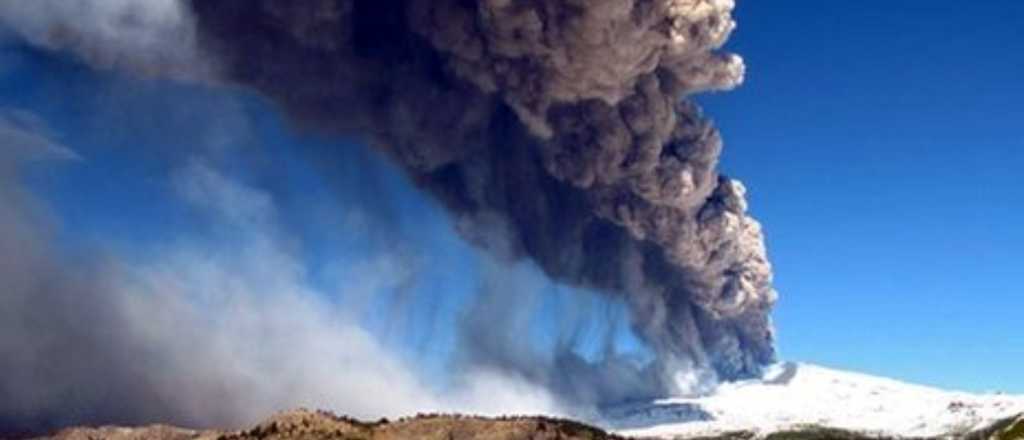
555, 130
558, 131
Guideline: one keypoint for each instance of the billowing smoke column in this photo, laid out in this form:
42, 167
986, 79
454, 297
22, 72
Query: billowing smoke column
555, 130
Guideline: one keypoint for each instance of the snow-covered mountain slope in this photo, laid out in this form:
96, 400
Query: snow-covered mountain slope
794, 395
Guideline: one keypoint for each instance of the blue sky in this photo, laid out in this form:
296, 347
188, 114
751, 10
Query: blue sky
881, 143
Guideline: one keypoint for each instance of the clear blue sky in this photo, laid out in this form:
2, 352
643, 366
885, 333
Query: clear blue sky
881, 141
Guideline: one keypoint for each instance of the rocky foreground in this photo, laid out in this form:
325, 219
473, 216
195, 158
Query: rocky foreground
316, 425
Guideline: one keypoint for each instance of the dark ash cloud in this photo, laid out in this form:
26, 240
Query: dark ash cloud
555, 131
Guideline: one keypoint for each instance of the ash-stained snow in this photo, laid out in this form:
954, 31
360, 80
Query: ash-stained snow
793, 395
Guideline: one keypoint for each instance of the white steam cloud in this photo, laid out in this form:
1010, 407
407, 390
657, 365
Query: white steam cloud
192, 334
151, 37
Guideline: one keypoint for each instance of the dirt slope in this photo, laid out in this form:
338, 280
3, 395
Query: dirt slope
310, 425
316, 425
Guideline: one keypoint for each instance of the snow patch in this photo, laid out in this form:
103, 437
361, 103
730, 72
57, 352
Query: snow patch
792, 395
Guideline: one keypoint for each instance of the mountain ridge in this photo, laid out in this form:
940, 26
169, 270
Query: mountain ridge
320, 425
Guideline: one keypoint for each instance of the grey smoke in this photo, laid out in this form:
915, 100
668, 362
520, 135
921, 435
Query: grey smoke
192, 336
558, 131
565, 125
150, 37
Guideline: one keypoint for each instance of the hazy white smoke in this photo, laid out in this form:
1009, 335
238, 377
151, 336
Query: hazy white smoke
195, 334
152, 37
